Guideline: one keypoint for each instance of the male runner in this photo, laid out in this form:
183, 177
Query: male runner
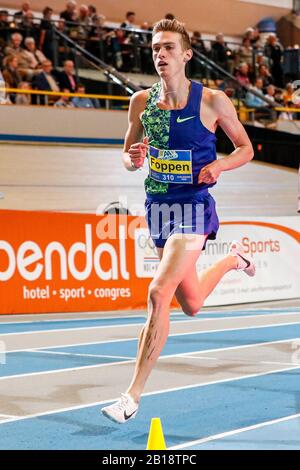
179, 119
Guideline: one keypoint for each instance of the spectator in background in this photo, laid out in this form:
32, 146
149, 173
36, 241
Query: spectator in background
198, 43
25, 9
144, 40
287, 95
46, 81
66, 78
245, 52
24, 98
274, 51
196, 69
255, 39
35, 56
220, 51
79, 102
83, 23
261, 107
15, 45
271, 90
46, 34
4, 27
98, 35
242, 74
129, 22
265, 75
64, 101
92, 14
11, 74
69, 14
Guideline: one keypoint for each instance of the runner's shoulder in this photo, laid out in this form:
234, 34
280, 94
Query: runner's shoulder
139, 98
216, 99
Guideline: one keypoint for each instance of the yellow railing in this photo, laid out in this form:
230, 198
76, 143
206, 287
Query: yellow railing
242, 110
60, 93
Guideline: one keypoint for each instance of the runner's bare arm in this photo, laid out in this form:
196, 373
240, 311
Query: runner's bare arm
135, 131
233, 128
227, 119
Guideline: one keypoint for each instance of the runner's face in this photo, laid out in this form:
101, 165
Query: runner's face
168, 54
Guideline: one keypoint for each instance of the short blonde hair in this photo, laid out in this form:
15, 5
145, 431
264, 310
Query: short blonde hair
173, 26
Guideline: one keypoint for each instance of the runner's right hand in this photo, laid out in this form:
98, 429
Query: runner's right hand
138, 152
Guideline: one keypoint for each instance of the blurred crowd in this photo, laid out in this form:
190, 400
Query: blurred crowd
29, 49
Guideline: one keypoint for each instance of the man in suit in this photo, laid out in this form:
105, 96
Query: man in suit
46, 81
66, 78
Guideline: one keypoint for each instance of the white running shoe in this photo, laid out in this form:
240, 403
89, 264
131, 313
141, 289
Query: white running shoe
122, 410
245, 261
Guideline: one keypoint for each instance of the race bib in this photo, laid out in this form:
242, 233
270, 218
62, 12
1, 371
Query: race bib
170, 166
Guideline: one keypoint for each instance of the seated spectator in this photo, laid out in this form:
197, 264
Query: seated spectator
79, 102
261, 107
270, 92
253, 101
14, 48
11, 74
45, 81
24, 62
46, 35
66, 78
287, 95
265, 75
245, 52
242, 74
69, 14
64, 101
36, 56
23, 98
260, 59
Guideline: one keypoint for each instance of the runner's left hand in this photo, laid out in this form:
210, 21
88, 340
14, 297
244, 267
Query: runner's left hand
210, 173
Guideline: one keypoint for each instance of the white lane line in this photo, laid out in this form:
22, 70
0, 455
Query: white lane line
78, 354
157, 392
194, 332
193, 320
233, 432
169, 356
226, 313
8, 416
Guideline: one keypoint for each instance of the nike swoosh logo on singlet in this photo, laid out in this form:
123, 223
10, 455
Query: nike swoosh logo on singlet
179, 120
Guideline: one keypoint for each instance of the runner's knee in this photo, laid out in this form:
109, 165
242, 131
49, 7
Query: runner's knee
191, 308
160, 293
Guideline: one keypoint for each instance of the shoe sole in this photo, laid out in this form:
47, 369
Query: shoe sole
111, 418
